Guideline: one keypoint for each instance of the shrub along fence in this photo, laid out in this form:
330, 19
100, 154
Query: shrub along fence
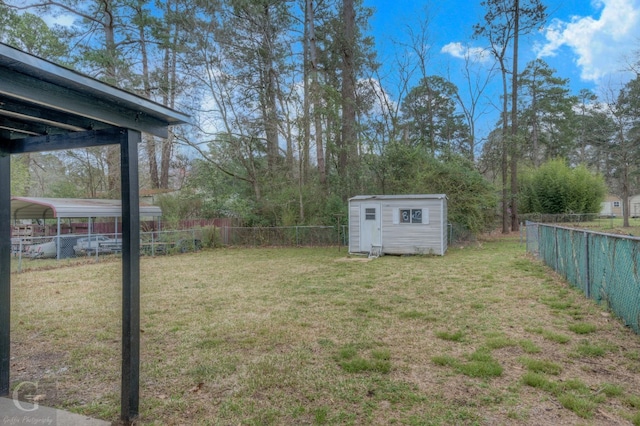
282, 236
606, 267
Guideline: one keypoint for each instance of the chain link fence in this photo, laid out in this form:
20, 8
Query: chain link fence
174, 241
285, 236
605, 267
157, 243
89, 246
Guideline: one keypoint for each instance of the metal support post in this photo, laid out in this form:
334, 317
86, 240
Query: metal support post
129, 396
5, 271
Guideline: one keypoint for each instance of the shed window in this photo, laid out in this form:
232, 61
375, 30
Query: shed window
616, 204
418, 216
411, 215
370, 214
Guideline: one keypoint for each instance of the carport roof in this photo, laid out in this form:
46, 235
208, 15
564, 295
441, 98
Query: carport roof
51, 208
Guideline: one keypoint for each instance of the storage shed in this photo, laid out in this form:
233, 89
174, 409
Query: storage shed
398, 224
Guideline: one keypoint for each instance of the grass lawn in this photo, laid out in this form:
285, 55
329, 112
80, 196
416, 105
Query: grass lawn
483, 335
608, 225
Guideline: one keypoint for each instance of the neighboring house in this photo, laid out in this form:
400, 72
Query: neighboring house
611, 206
398, 224
634, 206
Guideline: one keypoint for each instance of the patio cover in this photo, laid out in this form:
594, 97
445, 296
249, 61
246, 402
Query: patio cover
52, 208
47, 107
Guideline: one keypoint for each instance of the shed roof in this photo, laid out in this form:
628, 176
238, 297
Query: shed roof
400, 197
40, 98
51, 208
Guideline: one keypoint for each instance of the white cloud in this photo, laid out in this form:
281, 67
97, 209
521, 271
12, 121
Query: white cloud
600, 44
460, 51
65, 20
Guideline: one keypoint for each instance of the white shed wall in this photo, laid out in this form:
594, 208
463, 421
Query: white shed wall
412, 238
354, 226
634, 206
404, 238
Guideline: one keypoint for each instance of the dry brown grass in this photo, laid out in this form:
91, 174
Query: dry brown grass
307, 336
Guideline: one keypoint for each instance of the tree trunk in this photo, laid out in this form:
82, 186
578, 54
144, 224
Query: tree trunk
113, 151
348, 143
504, 163
315, 94
149, 141
169, 96
514, 121
306, 68
269, 108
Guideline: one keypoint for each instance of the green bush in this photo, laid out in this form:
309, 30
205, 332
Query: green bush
211, 237
556, 188
472, 199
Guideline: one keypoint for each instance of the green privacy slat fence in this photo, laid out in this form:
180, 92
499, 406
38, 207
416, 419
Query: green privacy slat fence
605, 267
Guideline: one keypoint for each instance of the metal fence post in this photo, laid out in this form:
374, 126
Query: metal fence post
586, 262
520, 229
20, 255
344, 235
557, 254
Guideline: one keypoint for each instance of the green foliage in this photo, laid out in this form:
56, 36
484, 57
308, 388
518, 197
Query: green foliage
582, 406
548, 107
633, 401
480, 364
431, 120
529, 347
177, 207
555, 188
499, 342
471, 199
582, 328
348, 358
536, 380
444, 360
453, 337
211, 237
588, 349
19, 177
550, 335
65, 189
541, 366
611, 390
31, 34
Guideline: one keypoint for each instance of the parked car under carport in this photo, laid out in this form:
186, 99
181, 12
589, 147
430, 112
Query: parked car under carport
87, 246
43, 251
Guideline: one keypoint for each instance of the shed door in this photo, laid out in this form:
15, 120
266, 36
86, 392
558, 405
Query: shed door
370, 221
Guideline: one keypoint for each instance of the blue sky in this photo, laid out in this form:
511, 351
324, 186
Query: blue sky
589, 42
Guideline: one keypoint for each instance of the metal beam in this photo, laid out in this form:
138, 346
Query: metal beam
29, 113
42, 70
72, 140
5, 270
129, 394
52, 97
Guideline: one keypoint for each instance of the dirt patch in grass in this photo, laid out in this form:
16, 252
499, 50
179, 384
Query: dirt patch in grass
354, 259
483, 335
